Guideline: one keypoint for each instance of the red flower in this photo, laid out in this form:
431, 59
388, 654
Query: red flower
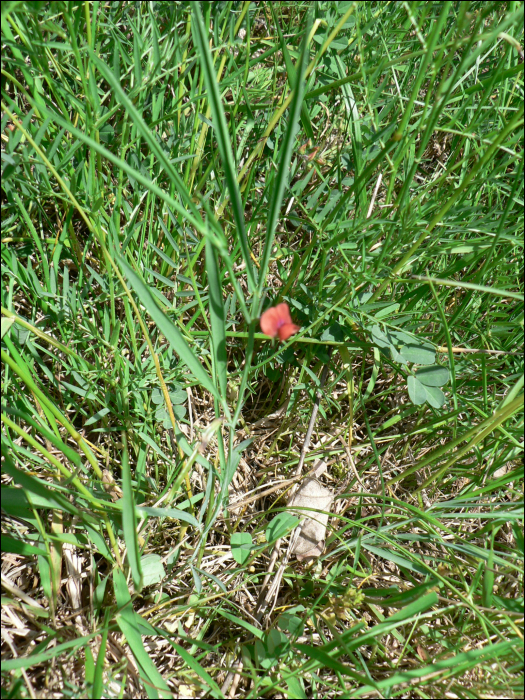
277, 321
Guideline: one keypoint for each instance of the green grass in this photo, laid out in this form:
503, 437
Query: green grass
170, 170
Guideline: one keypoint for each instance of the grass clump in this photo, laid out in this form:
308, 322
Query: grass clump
170, 171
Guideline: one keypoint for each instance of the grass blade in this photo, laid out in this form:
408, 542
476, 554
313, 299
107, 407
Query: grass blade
221, 132
177, 341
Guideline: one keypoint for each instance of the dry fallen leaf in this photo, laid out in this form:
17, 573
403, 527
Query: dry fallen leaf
311, 540
111, 485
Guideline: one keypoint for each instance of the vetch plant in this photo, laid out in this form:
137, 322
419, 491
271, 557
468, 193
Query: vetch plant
158, 185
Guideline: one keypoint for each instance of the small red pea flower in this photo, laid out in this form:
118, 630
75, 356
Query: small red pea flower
277, 321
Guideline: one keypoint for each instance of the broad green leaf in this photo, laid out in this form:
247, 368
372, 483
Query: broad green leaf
387, 342
178, 396
379, 338
280, 526
153, 570
107, 133
241, 544
271, 648
290, 623
335, 332
433, 375
435, 396
162, 415
6, 324
396, 356
295, 688
416, 391
419, 394
402, 338
157, 397
276, 641
417, 354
